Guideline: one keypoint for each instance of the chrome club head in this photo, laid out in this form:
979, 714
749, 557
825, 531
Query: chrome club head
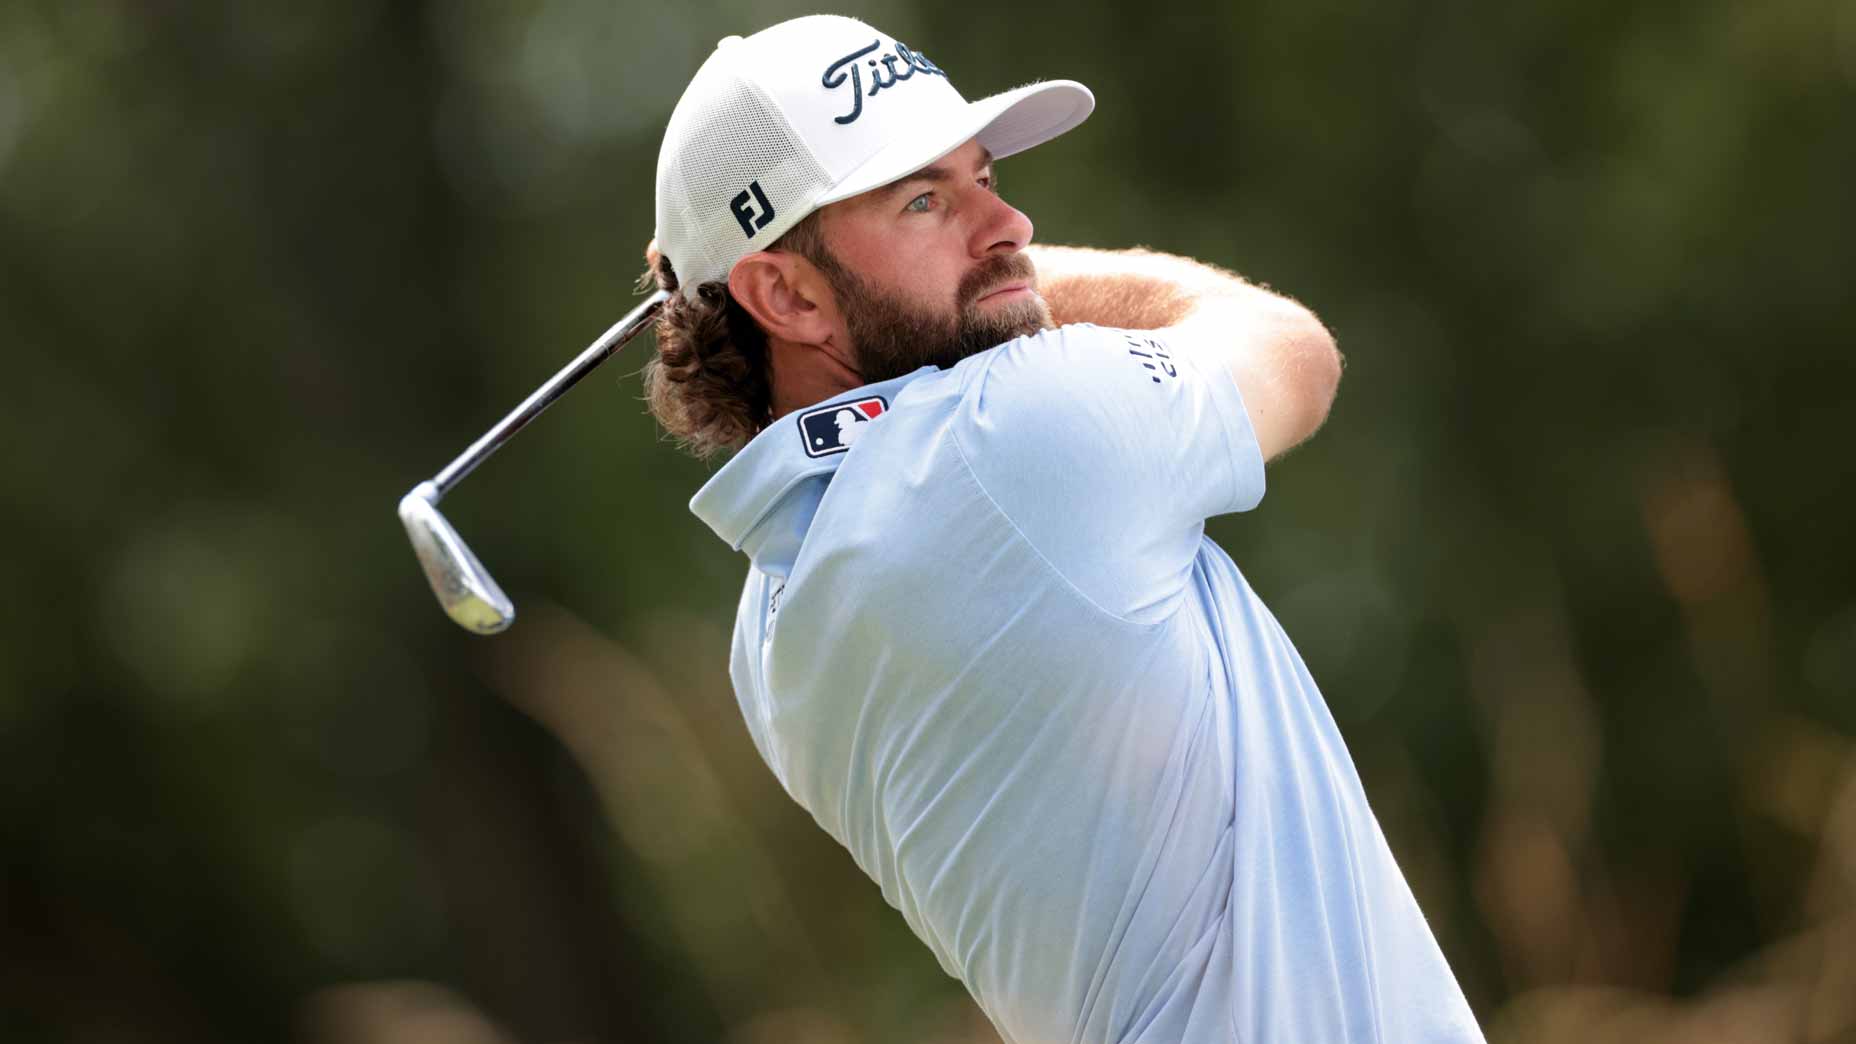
461, 583
464, 588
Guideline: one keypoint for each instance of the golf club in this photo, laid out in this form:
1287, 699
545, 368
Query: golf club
464, 588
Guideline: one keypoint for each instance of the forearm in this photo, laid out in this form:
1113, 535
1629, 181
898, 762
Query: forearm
1137, 289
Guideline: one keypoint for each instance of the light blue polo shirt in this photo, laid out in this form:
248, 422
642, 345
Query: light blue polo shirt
986, 643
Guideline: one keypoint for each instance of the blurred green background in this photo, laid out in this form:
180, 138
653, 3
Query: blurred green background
1571, 559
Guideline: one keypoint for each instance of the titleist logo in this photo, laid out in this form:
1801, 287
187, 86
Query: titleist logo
886, 70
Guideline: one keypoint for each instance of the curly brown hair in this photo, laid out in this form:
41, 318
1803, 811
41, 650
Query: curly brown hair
708, 384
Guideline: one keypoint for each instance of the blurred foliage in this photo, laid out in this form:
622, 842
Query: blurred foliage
1571, 559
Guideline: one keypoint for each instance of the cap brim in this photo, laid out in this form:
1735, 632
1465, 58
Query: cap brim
1007, 122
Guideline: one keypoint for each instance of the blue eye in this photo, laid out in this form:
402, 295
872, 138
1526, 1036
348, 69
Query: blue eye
920, 204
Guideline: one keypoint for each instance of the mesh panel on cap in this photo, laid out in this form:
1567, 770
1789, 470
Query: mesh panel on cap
715, 147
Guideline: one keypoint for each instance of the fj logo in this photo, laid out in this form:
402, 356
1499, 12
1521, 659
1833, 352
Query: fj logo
744, 212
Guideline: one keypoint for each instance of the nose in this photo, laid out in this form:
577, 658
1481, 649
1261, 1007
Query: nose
999, 228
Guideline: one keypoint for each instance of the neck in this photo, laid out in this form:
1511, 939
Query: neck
803, 374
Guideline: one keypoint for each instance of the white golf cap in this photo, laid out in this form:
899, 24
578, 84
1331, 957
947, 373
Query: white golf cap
812, 111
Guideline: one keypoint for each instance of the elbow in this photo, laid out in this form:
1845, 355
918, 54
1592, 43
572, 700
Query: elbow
1288, 370
1312, 370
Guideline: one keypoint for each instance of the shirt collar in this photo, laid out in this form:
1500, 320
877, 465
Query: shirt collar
762, 501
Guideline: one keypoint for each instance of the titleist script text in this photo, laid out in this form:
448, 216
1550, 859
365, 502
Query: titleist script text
886, 70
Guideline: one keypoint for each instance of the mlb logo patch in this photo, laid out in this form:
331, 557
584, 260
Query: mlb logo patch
833, 429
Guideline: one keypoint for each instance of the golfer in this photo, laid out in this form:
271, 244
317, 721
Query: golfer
983, 638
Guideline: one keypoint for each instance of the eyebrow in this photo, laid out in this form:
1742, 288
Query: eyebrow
935, 175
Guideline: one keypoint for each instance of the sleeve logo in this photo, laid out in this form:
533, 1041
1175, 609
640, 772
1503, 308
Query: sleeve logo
835, 428
1152, 355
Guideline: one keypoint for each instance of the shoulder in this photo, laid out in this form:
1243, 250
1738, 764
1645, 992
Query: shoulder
1055, 386
1107, 450
1127, 405
1065, 355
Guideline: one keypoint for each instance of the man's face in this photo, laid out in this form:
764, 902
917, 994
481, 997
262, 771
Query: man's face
929, 269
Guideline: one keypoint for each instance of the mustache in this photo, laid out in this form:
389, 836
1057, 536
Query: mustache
988, 274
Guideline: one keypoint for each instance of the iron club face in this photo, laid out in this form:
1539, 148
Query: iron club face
464, 588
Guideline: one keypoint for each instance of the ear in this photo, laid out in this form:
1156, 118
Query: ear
786, 295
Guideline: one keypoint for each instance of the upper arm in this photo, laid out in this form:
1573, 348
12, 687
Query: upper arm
1108, 450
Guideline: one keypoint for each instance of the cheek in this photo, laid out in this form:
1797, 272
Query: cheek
928, 279
921, 262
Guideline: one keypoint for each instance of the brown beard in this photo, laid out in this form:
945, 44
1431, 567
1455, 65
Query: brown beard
892, 337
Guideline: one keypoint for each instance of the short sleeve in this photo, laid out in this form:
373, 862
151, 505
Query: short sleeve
1108, 450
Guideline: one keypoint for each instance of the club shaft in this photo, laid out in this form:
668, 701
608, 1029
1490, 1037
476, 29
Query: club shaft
586, 362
